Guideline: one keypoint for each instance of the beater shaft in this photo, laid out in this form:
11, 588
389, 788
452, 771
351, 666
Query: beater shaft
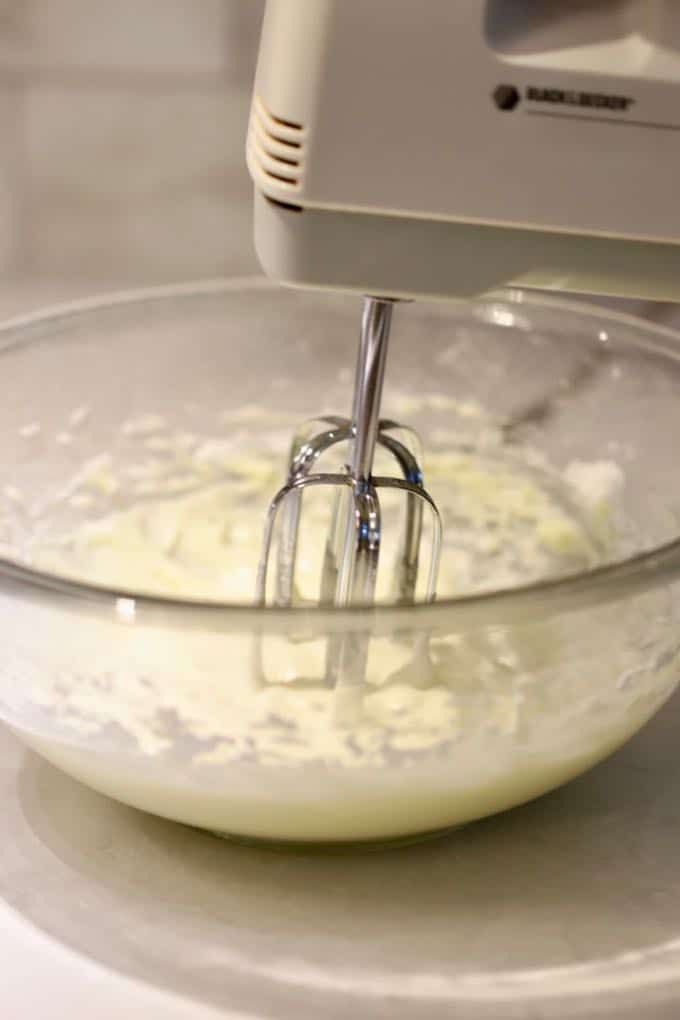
356, 567
368, 384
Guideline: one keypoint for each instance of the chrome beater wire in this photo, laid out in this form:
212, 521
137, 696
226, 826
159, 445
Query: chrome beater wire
352, 548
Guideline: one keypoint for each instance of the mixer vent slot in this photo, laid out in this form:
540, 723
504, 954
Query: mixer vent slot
276, 146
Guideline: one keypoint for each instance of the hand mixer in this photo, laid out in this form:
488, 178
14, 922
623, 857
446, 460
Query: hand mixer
441, 149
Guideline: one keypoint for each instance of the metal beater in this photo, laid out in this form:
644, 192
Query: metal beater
352, 549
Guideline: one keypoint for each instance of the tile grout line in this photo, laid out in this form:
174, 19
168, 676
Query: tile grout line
19, 170
124, 78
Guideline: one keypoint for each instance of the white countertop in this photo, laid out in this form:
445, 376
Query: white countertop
42, 979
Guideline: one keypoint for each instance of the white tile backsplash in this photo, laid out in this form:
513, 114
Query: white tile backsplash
123, 128
129, 35
11, 177
146, 184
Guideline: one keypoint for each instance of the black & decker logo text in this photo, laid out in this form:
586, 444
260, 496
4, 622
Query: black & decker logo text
571, 97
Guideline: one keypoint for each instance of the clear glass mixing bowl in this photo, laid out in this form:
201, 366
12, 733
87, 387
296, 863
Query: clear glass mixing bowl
199, 710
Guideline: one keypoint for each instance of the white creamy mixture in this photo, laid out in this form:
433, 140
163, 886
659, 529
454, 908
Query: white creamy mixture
247, 737
506, 522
